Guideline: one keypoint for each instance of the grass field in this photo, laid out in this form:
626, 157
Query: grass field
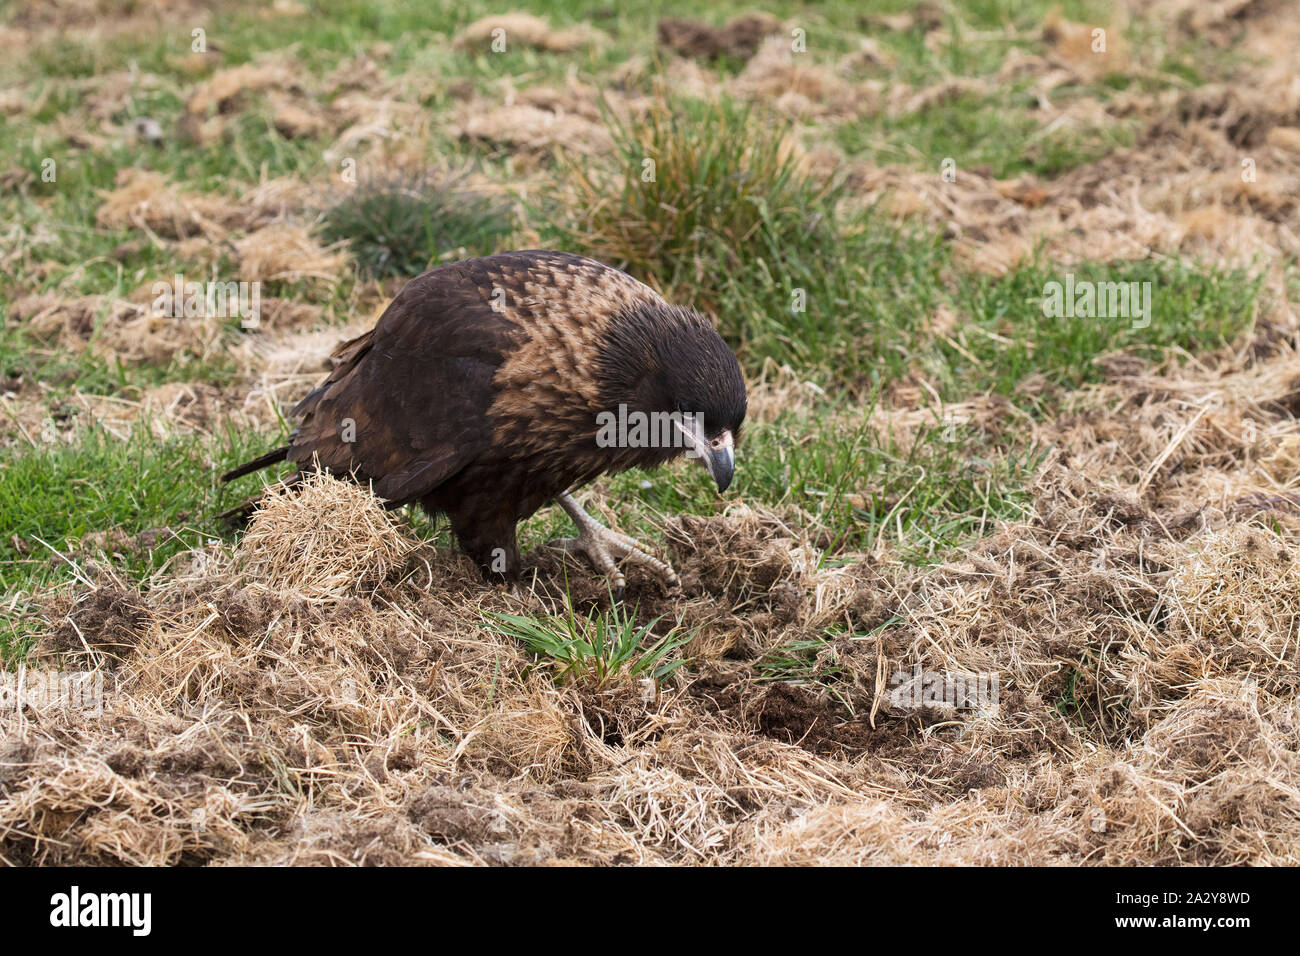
876, 203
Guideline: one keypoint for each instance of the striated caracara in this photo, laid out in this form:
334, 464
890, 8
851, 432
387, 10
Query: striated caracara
492, 386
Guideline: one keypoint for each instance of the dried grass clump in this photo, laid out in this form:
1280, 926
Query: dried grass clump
980, 831
222, 91
1229, 610
743, 553
145, 200
1076, 47
524, 29
51, 317
531, 129
117, 328
98, 626
144, 793
294, 120
323, 538
795, 88
285, 252
1049, 605
1214, 783
851, 833
1237, 588
289, 314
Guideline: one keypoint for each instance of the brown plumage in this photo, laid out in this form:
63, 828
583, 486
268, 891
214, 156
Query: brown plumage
477, 394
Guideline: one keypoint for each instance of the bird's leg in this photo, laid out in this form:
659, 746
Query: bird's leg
602, 546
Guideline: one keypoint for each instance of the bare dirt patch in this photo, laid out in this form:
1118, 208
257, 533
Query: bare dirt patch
739, 38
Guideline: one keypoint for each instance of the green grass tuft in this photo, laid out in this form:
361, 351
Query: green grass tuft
401, 225
696, 191
598, 648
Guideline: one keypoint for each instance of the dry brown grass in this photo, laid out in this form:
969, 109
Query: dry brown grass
145, 200
327, 693
530, 129
324, 540
1180, 191
288, 252
125, 329
221, 91
524, 29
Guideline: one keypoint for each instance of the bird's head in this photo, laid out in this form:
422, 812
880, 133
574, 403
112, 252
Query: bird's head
671, 385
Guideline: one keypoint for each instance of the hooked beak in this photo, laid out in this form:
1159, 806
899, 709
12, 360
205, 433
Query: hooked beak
721, 460
718, 455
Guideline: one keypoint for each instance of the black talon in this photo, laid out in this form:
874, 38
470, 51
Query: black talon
618, 594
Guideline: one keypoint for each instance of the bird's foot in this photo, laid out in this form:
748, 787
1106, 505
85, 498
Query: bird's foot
603, 547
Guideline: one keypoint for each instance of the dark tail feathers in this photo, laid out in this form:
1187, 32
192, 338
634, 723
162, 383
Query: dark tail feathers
257, 464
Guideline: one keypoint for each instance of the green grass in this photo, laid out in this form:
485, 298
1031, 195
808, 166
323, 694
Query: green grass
921, 493
596, 649
744, 250
694, 191
61, 370
400, 225
139, 502
91, 481
1007, 337
1003, 134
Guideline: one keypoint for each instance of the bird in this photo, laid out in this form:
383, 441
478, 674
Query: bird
493, 386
